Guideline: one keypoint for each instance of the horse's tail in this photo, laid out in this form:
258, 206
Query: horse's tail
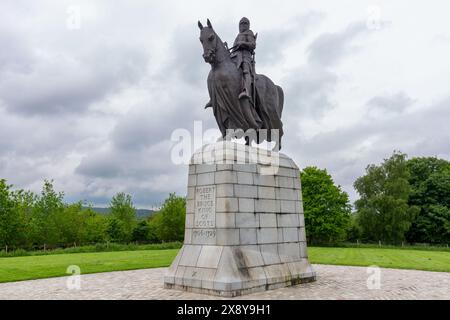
280, 100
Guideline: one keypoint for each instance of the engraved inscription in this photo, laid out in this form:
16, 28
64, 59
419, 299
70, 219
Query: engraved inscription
205, 207
204, 236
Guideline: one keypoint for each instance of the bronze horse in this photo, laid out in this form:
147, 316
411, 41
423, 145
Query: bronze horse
224, 85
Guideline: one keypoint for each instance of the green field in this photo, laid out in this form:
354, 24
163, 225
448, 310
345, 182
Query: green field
45, 266
387, 258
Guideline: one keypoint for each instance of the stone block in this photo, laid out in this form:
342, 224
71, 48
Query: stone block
226, 205
204, 179
209, 257
256, 277
188, 235
245, 178
221, 177
288, 220
245, 167
287, 194
267, 235
190, 206
268, 220
289, 252
203, 168
290, 234
302, 220
189, 220
192, 180
225, 220
285, 182
269, 253
265, 205
190, 255
277, 273
245, 191
296, 183
266, 192
246, 205
227, 237
288, 172
248, 256
192, 277
303, 249
178, 278
247, 236
288, 206
247, 220
299, 206
264, 180
302, 234
224, 190
190, 193
222, 167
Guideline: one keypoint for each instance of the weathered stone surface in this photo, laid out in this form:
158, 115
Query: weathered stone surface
244, 228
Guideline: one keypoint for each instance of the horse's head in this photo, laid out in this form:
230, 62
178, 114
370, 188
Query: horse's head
208, 38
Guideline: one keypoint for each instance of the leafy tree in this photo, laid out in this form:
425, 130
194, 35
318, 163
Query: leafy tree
171, 219
326, 207
430, 182
95, 226
123, 218
10, 231
140, 232
383, 210
153, 226
46, 215
24, 202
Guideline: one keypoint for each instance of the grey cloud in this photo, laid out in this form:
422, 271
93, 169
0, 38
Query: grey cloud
328, 48
309, 88
63, 84
397, 102
308, 91
346, 152
272, 42
185, 57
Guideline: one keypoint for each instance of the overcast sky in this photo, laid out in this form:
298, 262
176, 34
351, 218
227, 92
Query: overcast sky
91, 100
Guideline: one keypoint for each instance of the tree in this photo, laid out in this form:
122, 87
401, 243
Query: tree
326, 207
154, 223
430, 183
24, 202
46, 214
95, 226
123, 218
10, 229
383, 211
171, 219
140, 232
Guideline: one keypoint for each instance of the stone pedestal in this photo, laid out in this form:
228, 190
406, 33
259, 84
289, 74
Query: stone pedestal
245, 229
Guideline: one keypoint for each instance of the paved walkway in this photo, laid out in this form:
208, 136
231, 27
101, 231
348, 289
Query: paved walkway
333, 282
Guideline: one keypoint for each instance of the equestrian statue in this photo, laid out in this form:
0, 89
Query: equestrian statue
242, 101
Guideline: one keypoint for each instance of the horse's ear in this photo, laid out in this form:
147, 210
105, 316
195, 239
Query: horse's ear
209, 23
200, 25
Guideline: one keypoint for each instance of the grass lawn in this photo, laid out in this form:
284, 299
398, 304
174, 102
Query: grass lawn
387, 258
45, 266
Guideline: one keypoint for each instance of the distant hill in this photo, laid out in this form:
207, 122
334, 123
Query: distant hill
140, 213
